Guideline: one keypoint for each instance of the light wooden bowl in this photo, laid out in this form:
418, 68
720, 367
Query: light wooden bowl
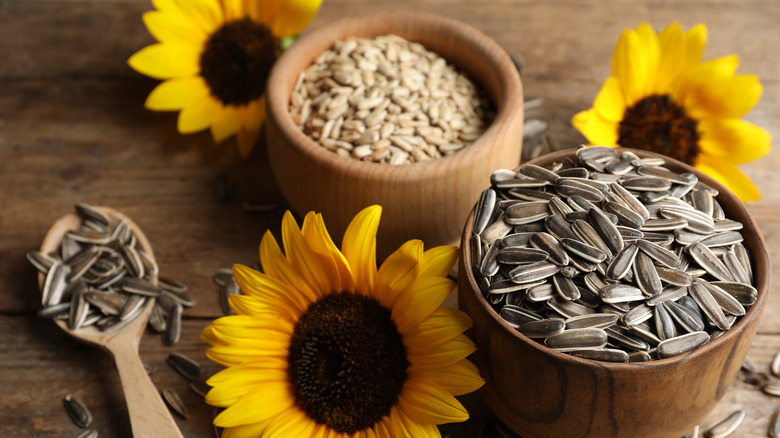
428, 200
539, 392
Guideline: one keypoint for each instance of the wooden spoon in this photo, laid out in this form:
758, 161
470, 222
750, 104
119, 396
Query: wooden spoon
148, 414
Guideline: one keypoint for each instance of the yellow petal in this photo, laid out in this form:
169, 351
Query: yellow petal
444, 324
177, 93
408, 427
234, 9
231, 356
225, 394
723, 97
398, 271
438, 261
305, 261
206, 13
650, 50
440, 356
695, 42
672, 41
269, 290
730, 176
631, 70
315, 232
419, 300
208, 336
291, 423
165, 61
264, 402
595, 128
226, 123
359, 247
734, 140
457, 379
610, 103
256, 368
198, 116
426, 402
174, 28
278, 267
285, 17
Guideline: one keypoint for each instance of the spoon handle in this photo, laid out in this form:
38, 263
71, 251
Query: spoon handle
149, 416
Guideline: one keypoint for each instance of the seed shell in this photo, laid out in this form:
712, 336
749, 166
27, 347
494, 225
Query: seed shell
77, 411
682, 344
578, 339
184, 365
173, 400
726, 426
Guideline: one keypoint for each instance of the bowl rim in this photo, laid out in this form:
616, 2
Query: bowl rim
761, 279
508, 103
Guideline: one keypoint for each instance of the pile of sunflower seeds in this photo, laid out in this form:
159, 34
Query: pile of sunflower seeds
612, 257
101, 277
388, 100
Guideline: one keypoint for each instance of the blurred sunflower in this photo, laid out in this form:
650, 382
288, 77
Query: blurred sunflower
662, 98
325, 345
215, 57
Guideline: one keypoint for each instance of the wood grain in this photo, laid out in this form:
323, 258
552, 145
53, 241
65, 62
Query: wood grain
73, 129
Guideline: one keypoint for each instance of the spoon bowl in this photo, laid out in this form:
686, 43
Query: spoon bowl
148, 414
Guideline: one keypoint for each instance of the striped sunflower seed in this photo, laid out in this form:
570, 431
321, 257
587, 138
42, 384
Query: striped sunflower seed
682, 344
726, 426
77, 411
578, 339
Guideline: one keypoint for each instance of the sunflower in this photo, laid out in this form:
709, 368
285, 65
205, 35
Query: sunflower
323, 344
215, 57
662, 98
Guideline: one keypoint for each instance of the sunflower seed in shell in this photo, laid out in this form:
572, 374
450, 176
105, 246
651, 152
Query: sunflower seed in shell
539, 173
586, 233
687, 318
140, 286
565, 287
626, 340
725, 238
200, 387
603, 355
664, 324
726, 301
184, 365
621, 293
489, 266
774, 425
697, 221
484, 210
670, 293
646, 184
77, 411
533, 272
527, 212
775, 367
172, 332
596, 154
540, 293
549, 244
594, 320
518, 255
88, 236
174, 401
637, 315
516, 315
708, 304
709, 262
644, 332
567, 187
726, 426
630, 201
577, 339
661, 172
42, 262
608, 232
626, 216
645, 275
529, 194
108, 302
583, 250
496, 230
54, 284
622, 263
735, 267
639, 356
79, 308
682, 344
89, 433
664, 224
673, 276
659, 254
543, 328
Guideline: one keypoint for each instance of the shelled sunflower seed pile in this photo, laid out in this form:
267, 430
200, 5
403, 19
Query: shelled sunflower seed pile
611, 257
101, 277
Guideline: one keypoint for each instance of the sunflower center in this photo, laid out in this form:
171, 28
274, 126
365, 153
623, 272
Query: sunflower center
657, 124
347, 362
237, 60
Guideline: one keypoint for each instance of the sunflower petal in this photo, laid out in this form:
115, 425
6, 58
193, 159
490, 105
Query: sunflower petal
419, 300
207, 13
595, 128
165, 61
269, 290
177, 93
242, 384
256, 368
174, 28
359, 247
398, 271
438, 261
246, 140
730, 176
457, 379
285, 17
695, 42
630, 70
291, 423
724, 97
265, 401
427, 403
411, 428
198, 116
440, 356
248, 430
735, 140
610, 103
444, 324
278, 267
305, 261
315, 232
226, 123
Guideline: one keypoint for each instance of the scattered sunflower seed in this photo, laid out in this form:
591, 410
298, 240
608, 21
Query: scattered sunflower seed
77, 411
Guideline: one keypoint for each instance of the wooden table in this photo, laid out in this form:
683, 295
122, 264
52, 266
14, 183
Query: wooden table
73, 129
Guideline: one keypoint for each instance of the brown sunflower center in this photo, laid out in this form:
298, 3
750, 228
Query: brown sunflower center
347, 362
658, 124
237, 60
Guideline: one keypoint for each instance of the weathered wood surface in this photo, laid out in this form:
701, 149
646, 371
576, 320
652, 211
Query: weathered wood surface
73, 129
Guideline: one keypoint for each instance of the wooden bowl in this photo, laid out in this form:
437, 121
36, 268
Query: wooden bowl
427, 200
539, 392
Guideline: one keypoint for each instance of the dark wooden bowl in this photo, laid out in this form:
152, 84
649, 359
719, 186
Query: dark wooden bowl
427, 200
539, 392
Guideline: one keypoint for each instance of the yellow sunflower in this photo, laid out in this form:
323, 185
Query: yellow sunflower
325, 345
662, 98
215, 57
